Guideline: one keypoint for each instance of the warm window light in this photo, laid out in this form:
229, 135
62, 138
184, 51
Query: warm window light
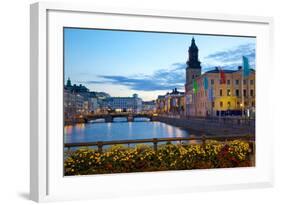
241, 104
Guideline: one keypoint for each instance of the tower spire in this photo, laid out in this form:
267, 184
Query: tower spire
193, 61
68, 82
193, 69
193, 42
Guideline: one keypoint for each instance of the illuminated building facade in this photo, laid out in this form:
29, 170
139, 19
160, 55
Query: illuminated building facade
125, 104
235, 96
171, 103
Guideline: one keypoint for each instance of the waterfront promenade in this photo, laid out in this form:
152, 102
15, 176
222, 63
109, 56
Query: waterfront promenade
211, 125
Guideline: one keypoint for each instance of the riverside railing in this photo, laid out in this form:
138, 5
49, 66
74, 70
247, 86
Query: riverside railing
155, 141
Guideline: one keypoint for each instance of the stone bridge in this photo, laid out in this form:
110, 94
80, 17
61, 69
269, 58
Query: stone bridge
110, 116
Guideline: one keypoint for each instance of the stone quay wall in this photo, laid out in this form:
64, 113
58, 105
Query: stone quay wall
212, 126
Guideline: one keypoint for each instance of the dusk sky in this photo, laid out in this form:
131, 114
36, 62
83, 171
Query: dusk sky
150, 64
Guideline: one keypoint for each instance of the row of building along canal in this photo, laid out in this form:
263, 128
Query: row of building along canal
218, 102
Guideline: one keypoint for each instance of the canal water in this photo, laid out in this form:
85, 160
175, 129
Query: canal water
120, 129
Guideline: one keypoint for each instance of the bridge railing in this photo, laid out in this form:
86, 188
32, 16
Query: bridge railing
155, 141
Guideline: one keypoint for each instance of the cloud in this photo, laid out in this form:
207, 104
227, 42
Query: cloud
162, 79
233, 57
179, 66
174, 76
231, 66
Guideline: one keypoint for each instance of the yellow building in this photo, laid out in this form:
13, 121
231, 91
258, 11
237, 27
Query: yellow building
230, 98
222, 99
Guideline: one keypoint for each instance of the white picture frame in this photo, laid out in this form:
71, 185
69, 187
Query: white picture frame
47, 182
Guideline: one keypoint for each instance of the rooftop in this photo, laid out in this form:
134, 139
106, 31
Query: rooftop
217, 70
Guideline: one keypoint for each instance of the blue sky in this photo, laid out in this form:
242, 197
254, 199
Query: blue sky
148, 63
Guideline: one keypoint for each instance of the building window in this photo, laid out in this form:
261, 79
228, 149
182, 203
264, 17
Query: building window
212, 81
253, 104
244, 82
244, 93
237, 82
228, 92
252, 93
238, 104
221, 104
213, 104
220, 92
228, 104
252, 82
237, 92
228, 82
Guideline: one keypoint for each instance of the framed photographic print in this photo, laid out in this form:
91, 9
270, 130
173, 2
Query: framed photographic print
147, 101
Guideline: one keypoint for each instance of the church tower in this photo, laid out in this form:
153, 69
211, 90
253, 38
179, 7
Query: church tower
68, 82
193, 69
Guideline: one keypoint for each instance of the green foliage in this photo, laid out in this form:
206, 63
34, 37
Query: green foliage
142, 157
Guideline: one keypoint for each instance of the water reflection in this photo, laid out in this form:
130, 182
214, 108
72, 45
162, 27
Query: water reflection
97, 120
68, 129
120, 131
120, 119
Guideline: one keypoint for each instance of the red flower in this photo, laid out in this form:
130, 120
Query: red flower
108, 166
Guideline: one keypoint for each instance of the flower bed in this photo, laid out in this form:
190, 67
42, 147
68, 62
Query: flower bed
120, 159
